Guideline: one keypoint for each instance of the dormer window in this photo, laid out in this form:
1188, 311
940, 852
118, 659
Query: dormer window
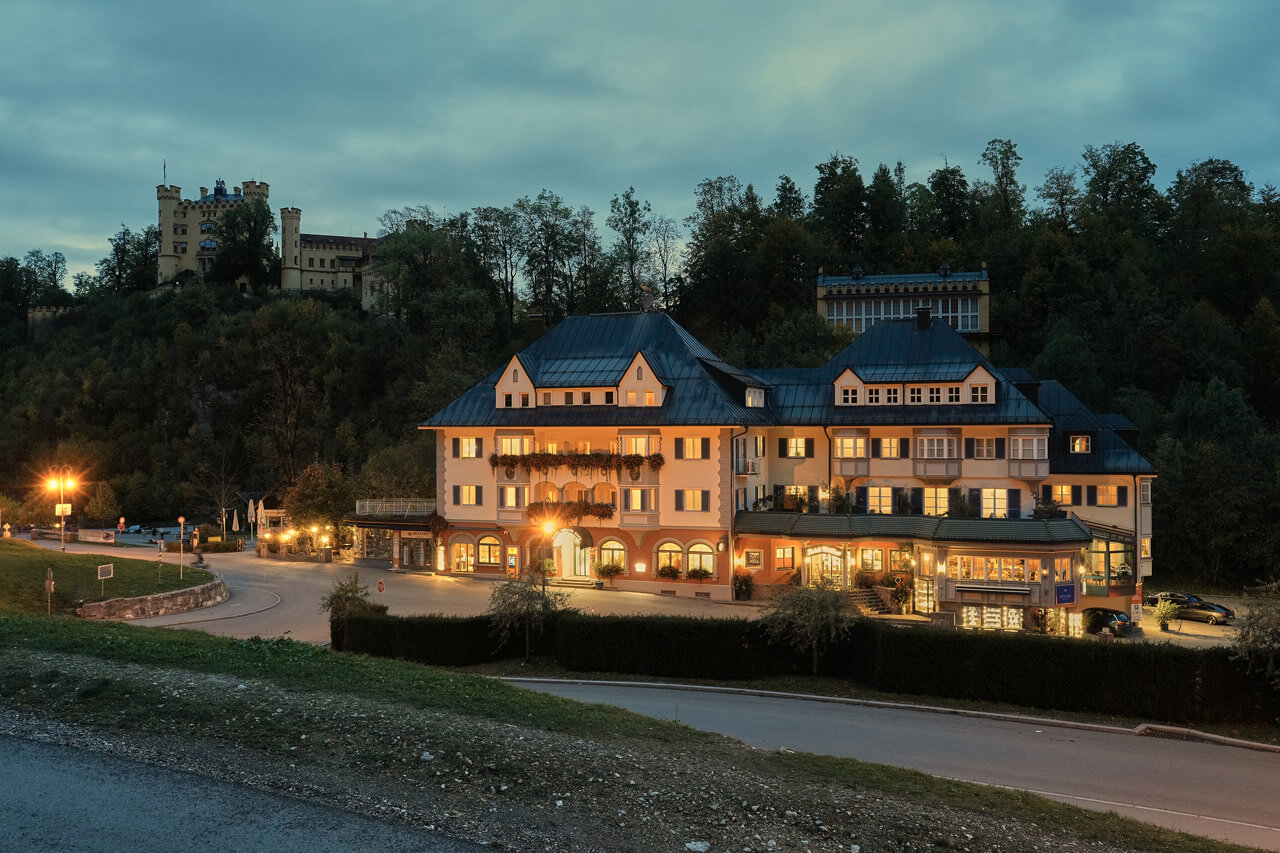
848, 396
873, 396
935, 395
915, 396
1081, 444
979, 394
891, 396
953, 395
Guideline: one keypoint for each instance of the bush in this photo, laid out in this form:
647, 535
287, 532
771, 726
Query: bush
698, 574
608, 570
744, 585
224, 547
668, 572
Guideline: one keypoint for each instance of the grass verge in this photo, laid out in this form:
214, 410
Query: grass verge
24, 568
125, 691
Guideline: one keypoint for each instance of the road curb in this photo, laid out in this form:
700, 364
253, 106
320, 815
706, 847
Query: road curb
1142, 730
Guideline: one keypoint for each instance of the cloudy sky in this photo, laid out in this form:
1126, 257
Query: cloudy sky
349, 109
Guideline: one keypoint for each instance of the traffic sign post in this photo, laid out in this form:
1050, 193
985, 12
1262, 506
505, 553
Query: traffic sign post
48, 591
381, 587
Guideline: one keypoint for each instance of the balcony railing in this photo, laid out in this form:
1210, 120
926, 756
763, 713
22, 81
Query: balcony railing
853, 467
1028, 469
746, 467
936, 469
396, 507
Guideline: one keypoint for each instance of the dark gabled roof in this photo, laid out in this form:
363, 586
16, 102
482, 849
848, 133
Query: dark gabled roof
594, 351
1110, 453
1029, 531
895, 351
902, 278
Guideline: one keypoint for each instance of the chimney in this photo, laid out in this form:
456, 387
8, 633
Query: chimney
923, 319
204, 191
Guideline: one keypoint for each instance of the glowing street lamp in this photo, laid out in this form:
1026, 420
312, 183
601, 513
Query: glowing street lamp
182, 527
62, 482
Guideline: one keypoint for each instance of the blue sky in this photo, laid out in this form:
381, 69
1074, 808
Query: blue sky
350, 109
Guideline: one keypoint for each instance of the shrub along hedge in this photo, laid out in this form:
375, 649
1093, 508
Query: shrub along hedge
1156, 681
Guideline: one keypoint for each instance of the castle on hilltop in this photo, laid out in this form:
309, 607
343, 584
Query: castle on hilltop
189, 242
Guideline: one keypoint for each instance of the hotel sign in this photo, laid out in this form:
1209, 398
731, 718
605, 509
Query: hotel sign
1066, 593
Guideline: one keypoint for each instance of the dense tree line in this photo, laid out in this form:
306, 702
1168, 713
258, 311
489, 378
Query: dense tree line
1159, 304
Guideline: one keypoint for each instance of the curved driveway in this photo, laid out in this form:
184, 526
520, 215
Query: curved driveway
1217, 791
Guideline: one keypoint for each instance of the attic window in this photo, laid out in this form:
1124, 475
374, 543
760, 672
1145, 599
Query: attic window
515, 376
755, 397
1081, 444
848, 396
639, 372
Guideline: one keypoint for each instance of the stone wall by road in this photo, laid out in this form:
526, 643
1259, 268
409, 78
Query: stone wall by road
178, 601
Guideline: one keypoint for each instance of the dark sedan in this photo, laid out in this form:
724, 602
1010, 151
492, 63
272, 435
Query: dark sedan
1096, 619
1194, 607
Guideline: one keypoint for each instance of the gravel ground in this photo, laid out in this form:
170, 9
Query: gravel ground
507, 786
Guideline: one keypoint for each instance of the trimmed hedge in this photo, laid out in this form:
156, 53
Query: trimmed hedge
1147, 680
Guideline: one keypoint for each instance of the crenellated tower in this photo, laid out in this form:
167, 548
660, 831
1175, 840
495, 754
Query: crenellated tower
290, 248
168, 197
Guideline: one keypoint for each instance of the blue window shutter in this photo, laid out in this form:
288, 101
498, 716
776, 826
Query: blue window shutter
480, 447
706, 448
968, 448
813, 498
953, 500
679, 500
479, 495
777, 497
860, 499
782, 448
917, 500
1091, 496
1015, 503
808, 448
1076, 496
1122, 496
502, 498
975, 502
457, 495
875, 448
679, 443
999, 448
1046, 494
895, 498
904, 448
457, 447
706, 500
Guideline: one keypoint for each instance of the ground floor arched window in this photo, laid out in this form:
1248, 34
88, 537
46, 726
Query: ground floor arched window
700, 558
612, 553
489, 552
670, 556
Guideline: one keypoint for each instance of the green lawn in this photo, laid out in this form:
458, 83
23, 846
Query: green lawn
24, 567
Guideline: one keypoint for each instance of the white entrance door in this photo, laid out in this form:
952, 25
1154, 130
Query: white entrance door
571, 558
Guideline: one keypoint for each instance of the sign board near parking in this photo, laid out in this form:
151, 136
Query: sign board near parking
1066, 593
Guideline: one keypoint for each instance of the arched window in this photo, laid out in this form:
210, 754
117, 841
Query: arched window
669, 554
639, 372
825, 563
612, 553
700, 557
464, 557
515, 376
490, 551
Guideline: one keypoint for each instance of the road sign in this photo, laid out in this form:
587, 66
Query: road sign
120, 526
381, 586
106, 571
62, 510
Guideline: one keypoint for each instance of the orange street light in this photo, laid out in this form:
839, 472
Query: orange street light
62, 482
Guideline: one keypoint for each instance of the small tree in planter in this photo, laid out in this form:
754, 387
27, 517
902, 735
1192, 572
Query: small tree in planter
668, 572
1165, 612
901, 594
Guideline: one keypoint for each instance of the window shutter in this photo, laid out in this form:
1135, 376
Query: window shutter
520, 496
782, 448
644, 500
502, 498
975, 502
999, 448
479, 495
904, 448
1076, 496
968, 448
813, 497
895, 498
457, 447
480, 447
860, 499
875, 448
777, 497
679, 500
706, 500
457, 495
706, 448
1015, 503
1091, 496
917, 500
808, 448
953, 501
1122, 496
1046, 494
679, 444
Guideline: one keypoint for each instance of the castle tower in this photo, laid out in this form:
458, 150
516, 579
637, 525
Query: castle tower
290, 248
255, 189
168, 264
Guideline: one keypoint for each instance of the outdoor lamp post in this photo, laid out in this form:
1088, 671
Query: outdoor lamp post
182, 527
547, 528
62, 482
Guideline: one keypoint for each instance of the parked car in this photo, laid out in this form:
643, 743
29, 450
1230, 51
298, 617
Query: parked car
1193, 607
1098, 618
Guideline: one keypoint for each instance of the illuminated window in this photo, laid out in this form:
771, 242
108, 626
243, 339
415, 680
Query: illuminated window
1029, 447
937, 448
1146, 548
1061, 495
1081, 443
936, 501
468, 448
1108, 495
851, 447
693, 500
489, 552
669, 554
700, 557
514, 445
613, 552
631, 398
467, 495
871, 560
511, 496
795, 448
995, 503
880, 499
784, 559
636, 444
650, 399
1062, 569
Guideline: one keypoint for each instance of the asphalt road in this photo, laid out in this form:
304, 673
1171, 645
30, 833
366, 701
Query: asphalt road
1222, 792
59, 798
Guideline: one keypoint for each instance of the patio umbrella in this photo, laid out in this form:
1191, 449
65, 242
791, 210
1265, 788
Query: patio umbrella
235, 521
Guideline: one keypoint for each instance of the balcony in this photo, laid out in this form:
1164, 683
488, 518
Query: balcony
1028, 469
936, 469
396, 507
1111, 584
746, 467
511, 514
634, 518
857, 467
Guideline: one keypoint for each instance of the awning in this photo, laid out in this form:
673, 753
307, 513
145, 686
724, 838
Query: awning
1002, 590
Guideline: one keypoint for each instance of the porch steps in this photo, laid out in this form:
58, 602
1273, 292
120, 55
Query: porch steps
580, 583
867, 603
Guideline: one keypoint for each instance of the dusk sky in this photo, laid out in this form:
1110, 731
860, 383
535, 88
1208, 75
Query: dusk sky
350, 109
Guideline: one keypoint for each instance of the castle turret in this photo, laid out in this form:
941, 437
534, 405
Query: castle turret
290, 248
168, 262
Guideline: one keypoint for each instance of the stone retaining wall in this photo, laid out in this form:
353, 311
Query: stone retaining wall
178, 601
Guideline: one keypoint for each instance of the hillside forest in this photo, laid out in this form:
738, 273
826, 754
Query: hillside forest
1159, 304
